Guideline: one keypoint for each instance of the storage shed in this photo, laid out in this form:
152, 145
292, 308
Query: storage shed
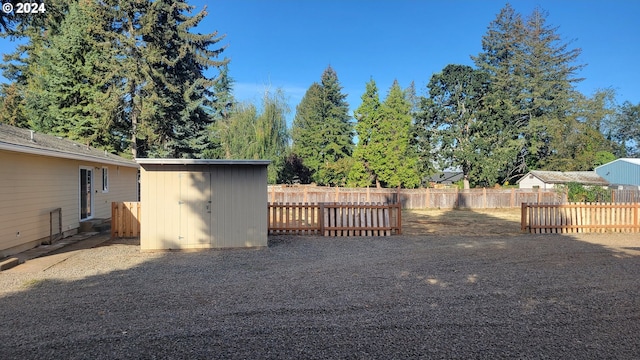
623, 172
200, 203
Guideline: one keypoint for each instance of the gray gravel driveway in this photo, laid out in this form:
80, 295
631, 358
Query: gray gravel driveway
431, 297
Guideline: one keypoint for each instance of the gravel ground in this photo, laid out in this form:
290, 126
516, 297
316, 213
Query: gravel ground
524, 297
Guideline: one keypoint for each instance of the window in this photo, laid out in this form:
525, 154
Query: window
105, 179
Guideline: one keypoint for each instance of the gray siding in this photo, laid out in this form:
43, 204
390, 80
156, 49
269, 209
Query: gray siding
620, 172
203, 206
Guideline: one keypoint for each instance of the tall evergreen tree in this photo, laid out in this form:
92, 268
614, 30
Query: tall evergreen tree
367, 117
11, 106
532, 75
68, 98
393, 160
583, 145
322, 132
162, 63
120, 69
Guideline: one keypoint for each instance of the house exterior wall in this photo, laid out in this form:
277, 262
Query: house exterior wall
620, 172
530, 182
203, 206
33, 185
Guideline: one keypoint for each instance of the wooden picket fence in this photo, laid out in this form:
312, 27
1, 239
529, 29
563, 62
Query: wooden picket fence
335, 219
125, 219
580, 218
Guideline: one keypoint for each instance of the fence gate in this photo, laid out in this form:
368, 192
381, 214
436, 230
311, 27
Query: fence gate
125, 219
335, 219
580, 218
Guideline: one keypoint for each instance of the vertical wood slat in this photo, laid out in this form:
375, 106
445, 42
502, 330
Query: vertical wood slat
125, 219
335, 219
580, 218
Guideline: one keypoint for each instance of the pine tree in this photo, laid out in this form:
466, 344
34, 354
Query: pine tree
531, 75
11, 106
322, 132
306, 128
393, 160
162, 63
367, 118
68, 98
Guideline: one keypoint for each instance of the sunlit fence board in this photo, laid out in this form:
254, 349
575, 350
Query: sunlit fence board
335, 219
125, 219
579, 218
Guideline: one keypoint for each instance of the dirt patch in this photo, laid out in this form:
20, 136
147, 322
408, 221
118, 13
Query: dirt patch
448, 222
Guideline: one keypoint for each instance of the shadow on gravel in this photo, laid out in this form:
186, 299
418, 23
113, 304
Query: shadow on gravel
517, 296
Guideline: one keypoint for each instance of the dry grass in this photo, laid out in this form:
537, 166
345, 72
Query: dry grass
448, 222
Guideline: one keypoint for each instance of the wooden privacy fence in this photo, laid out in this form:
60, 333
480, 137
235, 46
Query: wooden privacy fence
335, 219
415, 198
579, 218
125, 219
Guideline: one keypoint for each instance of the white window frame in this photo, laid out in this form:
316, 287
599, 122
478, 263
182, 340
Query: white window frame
105, 179
90, 191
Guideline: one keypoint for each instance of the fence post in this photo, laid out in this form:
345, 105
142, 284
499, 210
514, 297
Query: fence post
321, 218
484, 197
523, 217
399, 218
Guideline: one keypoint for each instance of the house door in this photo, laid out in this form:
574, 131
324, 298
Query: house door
86, 193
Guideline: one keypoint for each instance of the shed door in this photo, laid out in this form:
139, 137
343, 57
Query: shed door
195, 209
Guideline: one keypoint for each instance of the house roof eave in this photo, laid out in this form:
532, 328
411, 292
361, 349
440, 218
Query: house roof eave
66, 155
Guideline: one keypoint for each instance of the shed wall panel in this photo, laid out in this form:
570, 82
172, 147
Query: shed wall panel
620, 172
218, 206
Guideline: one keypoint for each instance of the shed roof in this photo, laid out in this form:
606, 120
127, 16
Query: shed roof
145, 161
628, 160
30, 142
563, 177
447, 176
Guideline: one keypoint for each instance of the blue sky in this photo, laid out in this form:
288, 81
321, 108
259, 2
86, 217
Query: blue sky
287, 44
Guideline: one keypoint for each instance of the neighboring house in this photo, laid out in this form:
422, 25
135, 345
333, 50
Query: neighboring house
40, 173
623, 172
445, 178
538, 179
